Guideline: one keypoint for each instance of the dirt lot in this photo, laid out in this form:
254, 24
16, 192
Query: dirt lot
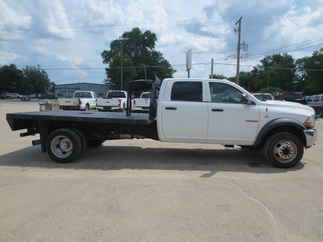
142, 190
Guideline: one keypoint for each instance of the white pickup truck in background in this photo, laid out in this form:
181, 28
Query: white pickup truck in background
82, 100
142, 103
316, 102
114, 100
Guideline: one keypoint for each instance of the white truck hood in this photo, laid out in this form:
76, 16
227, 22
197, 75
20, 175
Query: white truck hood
289, 105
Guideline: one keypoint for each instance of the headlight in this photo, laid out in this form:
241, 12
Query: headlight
310, 122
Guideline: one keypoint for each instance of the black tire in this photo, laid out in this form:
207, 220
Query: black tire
72, 137
94, 143
284, 150
83, 139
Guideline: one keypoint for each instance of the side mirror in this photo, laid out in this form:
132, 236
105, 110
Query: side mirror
246, 100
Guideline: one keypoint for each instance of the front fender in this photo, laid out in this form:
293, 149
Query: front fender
276, 123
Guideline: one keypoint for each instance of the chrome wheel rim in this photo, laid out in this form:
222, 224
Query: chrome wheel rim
285, 151
61, 146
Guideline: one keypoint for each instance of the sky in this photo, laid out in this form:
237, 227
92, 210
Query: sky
66, 38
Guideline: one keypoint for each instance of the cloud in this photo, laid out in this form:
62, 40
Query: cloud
73, 33
7, 57
13, 22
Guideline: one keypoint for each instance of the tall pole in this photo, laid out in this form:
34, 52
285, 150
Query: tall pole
238, 49
145, 70
121, 62
189, 62
212, 66
121, 68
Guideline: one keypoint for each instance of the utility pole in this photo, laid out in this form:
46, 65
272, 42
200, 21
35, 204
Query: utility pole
121, 67
145, 70
189, 62
121, 64
238, 49
212, 66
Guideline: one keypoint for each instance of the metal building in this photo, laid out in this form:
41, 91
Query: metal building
67, 90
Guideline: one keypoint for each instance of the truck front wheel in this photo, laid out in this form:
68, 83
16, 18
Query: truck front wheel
64, 145
284, 150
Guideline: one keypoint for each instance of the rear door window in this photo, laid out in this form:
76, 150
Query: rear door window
187, 91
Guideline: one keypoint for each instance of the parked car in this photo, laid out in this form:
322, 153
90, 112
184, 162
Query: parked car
11, 95
25, 98
264, 96
114, 100
189, 111
82, 100
316, 102
142, 103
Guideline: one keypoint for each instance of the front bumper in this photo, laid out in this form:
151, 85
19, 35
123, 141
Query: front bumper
105, 108
311, 137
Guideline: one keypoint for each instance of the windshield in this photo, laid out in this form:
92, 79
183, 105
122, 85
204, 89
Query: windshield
116, 95
263, 97
83, 95
316, 99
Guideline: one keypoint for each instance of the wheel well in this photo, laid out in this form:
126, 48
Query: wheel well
289, 129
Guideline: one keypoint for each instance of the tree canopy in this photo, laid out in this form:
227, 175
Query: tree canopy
136, 52
29, 80
281, 72
310, 72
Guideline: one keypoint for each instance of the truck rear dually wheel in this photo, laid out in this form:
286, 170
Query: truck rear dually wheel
64, 145
284, 150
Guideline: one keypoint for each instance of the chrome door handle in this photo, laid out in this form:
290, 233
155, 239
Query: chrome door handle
170, 108
217, 110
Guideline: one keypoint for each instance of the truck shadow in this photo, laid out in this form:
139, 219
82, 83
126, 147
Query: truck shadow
135, 157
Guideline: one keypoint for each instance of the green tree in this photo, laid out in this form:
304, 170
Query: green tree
217, 76
11, 79
275, 71
35, 79
135, 51
310, 74
278, 71
247, 80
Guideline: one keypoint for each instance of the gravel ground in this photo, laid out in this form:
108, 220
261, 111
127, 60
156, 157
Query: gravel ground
143, 190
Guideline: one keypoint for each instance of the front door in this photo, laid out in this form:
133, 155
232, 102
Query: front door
231, 121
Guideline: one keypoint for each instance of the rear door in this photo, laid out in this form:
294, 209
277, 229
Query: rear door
184, 114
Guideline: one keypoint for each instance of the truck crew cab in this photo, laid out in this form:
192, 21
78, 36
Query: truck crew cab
187, 111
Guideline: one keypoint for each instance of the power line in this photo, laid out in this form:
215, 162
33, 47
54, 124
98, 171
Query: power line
163, 66
291, 47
